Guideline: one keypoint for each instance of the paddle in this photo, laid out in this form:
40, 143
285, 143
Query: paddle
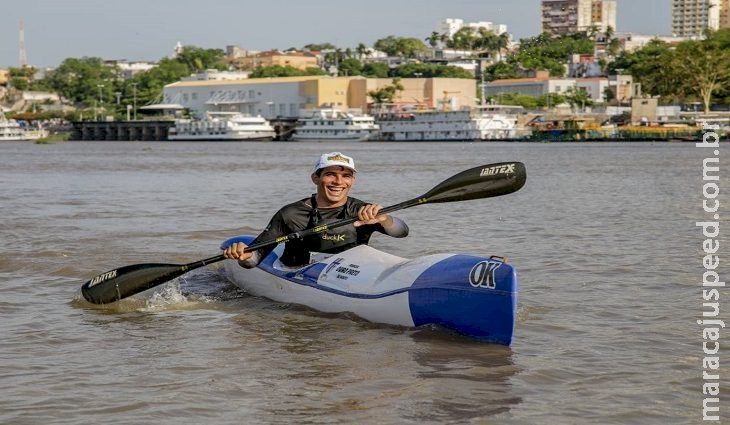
476, 183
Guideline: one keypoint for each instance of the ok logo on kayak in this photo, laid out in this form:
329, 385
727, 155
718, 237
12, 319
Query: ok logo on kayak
482, 274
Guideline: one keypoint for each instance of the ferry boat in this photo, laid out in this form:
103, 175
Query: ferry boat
12, 131
222, 126
462, 125
333, 124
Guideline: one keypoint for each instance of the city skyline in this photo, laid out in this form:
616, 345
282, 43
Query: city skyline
56, 30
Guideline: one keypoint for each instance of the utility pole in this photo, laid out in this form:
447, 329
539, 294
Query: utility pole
134, 100
101, 100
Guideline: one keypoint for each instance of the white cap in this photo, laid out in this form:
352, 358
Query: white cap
335, 158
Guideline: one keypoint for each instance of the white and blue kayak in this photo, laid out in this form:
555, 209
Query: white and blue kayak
470, 295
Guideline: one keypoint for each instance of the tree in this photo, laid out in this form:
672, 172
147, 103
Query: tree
578, 97
465, 38
703, 67
433, 39
386, 94
283, 71
654, 66
502, 70
350, 67
375, 70
198, 59
388, 45
362, 51
319, 47
400, 46
430, 70
80, 80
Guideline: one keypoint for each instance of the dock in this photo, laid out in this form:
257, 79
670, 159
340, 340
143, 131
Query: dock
121, 130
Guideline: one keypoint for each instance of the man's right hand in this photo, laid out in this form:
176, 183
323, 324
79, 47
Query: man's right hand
236, 252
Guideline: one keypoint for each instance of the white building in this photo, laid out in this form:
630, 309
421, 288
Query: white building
536, 87
632, 41
595, 87
690, 18
127, 70
450, 26
214, 74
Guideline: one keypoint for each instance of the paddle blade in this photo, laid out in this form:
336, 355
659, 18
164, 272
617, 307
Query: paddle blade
117, 284
479, 182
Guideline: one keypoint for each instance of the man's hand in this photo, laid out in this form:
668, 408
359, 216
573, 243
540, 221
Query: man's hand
236, 252
368, 214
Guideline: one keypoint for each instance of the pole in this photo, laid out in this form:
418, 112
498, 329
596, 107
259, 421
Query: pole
134, 101
101, 100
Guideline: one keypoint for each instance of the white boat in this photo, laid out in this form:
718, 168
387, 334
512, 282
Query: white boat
472, 295
462, 125
498, 122
224, 126
12, 131
333, 124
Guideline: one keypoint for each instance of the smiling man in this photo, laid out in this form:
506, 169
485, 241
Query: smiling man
334, 175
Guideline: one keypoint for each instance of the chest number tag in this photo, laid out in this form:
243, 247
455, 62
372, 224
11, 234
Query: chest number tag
482, 274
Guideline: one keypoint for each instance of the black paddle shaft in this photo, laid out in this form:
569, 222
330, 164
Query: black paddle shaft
476, 183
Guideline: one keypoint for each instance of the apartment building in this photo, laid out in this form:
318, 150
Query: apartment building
603, 14
724, 13
690, 18
570, 16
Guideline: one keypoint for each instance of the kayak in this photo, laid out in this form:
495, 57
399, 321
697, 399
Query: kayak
471, 295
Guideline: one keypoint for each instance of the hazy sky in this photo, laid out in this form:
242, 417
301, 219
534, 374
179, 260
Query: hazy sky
149, 29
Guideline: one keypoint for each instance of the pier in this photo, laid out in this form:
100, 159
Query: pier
121, 130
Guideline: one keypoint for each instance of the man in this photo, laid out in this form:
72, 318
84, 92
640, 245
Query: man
334, 175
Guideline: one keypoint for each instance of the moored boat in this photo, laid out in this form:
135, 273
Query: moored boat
333, 124
12, 130
222, 126
471, 295
465, 125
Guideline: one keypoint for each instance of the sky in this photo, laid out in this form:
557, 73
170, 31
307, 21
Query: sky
139, 30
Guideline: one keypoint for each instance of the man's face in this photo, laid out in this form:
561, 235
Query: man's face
333, 185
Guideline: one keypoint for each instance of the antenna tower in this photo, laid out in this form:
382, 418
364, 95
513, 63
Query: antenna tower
21, 45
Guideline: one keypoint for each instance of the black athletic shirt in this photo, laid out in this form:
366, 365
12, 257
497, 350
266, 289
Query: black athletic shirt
299, 216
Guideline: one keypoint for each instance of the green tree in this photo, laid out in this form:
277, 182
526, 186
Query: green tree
283, 71
80, 80
703, 67
429, 70
578, 97
409, 47
502, 70
19, 83
375, 70
654, 66
386, 94
466, 38
350, 67
362, 51
318, 47
199, 59
434, 39
388, 45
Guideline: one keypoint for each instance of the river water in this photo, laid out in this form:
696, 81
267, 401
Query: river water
603, 238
